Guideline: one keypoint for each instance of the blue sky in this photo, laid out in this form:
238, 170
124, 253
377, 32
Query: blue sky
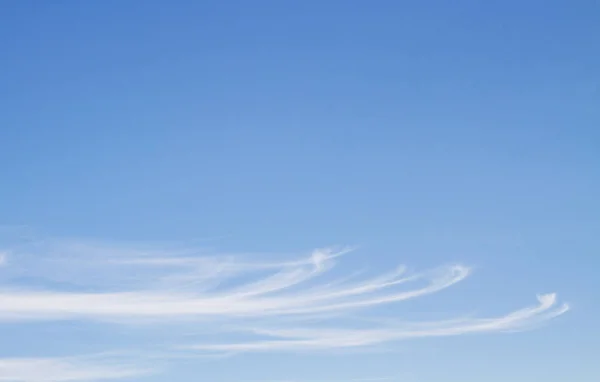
299, 191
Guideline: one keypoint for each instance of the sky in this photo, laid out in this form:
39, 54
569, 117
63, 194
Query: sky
299, 191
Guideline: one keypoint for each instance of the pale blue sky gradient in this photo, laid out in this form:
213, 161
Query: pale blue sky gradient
426, 133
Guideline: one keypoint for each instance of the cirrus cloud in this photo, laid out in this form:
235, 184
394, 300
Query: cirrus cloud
65, 370
295, 305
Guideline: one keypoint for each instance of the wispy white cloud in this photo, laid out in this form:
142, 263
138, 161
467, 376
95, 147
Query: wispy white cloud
285, 305
65, 370
281, 290
319, 338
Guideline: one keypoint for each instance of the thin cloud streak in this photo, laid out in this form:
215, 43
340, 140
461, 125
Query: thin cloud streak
65, 370
308, 339
372, 379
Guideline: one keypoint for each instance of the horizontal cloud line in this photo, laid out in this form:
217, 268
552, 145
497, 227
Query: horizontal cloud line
66, 369
301, 339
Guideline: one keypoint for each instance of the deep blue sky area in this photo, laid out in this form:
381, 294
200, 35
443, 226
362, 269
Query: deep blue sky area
424, 132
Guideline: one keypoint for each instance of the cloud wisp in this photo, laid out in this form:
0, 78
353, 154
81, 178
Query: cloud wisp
65, 370
327, 338
301, 305
182, 289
